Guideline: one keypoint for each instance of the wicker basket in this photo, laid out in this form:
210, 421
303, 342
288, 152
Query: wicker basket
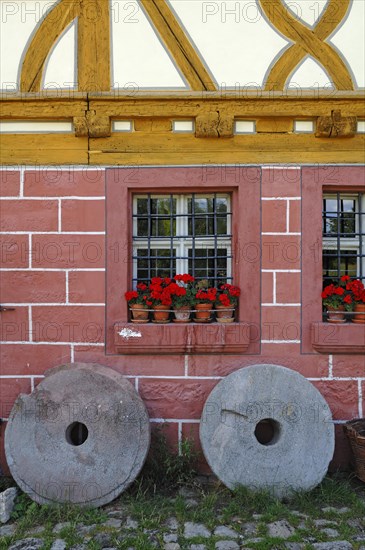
355, 431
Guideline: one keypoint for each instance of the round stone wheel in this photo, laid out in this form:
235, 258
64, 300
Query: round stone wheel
81, 436
266, 427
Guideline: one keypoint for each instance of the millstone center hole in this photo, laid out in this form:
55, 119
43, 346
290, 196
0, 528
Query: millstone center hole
76, 434
267, 431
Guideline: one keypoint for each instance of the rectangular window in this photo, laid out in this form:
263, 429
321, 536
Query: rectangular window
183, 219
343, 228
185, 233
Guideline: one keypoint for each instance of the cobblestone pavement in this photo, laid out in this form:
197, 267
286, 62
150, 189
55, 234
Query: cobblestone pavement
196, 520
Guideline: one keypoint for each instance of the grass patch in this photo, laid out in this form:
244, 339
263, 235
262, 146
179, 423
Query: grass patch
30, 514
336, 491
168, 467
243, 503
152, 500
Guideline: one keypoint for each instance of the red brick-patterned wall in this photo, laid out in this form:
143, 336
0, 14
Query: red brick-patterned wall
53, 273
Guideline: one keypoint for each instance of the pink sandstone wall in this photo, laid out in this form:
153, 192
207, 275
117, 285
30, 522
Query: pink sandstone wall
53, 274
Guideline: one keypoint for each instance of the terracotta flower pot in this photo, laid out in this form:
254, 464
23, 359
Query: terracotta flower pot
139, 313
359, 313
161, 314
336, 315
203, 312
182, 314
224, 314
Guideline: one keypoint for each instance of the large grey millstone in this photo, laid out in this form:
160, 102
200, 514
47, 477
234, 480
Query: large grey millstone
43, 450
297, 435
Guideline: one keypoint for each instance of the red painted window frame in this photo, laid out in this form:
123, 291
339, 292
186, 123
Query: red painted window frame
316, 335
243, 182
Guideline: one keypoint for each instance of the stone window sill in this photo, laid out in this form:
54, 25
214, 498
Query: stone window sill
332, 338
170, 338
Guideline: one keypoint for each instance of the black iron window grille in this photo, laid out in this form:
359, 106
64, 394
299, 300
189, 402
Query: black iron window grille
185, 233
343, 236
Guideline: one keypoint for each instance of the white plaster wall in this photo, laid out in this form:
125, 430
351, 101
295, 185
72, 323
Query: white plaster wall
139, 59
350, 40
234, 38
61, 63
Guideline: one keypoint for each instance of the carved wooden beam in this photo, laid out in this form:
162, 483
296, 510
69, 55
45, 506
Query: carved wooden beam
336, 125
214, 125
274, 125
92, 125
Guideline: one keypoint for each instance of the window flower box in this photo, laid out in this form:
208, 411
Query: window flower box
338, 338
181, 338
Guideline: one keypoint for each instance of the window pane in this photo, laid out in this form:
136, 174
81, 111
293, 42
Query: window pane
348, 225
344, 232
142, 206
339, 217
221, 208
198, 219
205, 213
221, 225
142, 220
183, 223
335, 265
208, 265
160, 263
162, 213
221, 205
163, 224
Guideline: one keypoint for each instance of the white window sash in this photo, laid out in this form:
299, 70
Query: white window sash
181, 245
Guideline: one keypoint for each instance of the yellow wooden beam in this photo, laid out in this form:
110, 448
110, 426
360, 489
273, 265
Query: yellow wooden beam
94, 67
46, 35
185, 106
43, 149
93, 46
140, 142
42, 109
274, 125
177, 106
221, 158
307, 41
153, 142
169, 148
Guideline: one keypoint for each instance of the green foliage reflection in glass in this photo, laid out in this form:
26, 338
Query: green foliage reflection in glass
205, 263
162, 217
206, 216
181, 233
201, 210
159, 261
347, 265
343, 236
339, 217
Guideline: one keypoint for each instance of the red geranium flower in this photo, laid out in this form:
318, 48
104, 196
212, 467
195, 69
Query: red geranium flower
185, 278
206, 296
335, 296
231, 293
224, 300
131, 295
